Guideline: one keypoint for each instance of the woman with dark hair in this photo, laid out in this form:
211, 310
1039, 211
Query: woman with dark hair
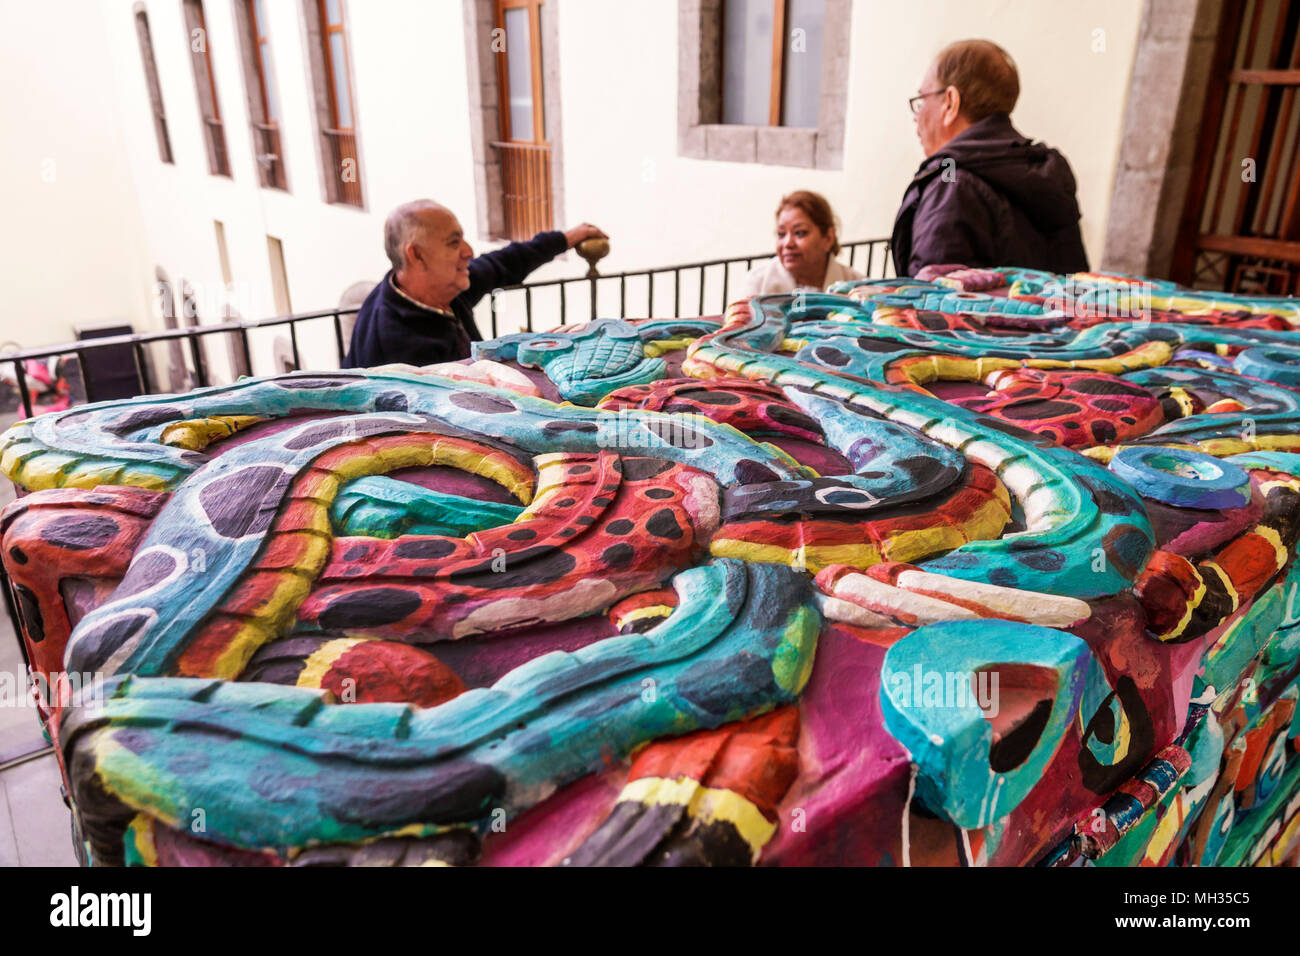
806, 246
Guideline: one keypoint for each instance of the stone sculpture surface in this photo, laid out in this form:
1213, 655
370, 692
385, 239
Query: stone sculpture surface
993, 567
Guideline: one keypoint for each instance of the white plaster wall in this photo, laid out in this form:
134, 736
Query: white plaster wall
620, 126
85, 103
70, 237
413, 132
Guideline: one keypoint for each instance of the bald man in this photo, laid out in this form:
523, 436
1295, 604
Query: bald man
985, 195
422, 311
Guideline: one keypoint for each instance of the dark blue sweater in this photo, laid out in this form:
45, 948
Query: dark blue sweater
393, 328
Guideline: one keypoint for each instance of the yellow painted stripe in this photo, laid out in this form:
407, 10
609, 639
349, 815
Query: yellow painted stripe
706, 804
1184, 401
1280, 555
141, 831
1227, 582
814, 558
1197, 595
323, 658
650, 610
662, 346
196, 434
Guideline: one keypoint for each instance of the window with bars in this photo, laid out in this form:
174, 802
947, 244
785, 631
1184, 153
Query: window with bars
214, 134
523, 149
259, 85
335, 104
151, 81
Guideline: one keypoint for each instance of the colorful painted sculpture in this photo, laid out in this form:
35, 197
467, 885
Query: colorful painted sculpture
992, 567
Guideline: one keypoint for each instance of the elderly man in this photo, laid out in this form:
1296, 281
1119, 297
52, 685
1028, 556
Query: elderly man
985, 195
421, 312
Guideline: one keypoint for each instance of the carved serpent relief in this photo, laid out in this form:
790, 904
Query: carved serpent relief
994, 569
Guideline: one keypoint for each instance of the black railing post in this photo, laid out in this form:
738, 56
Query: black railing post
21, 375
248, 353
141, 368
85, 378
338, 336
200, 366
231, 329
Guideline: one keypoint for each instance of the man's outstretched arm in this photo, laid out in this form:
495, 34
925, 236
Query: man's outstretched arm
511, 264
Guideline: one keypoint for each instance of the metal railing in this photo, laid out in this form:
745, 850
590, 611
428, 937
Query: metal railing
710, 285
871, 256
704, 288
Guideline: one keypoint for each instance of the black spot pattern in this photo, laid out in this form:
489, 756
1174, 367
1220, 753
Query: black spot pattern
306, 383
370, 607
642, 469
749, 472
149, 417
663, 524
533, 566
95, 646
80, 534
391, 402
617, 555
244, 501
484, 402
424, 548
145, 571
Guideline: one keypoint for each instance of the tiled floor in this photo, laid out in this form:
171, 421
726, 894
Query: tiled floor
19, 730
34, 823
35, 826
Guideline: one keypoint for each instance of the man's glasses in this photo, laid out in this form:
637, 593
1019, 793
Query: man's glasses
915, 101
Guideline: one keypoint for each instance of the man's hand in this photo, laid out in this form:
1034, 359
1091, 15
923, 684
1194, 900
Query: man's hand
583, 231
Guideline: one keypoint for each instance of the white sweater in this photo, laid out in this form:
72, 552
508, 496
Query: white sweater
772, 277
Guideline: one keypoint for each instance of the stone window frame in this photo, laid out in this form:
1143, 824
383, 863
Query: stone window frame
312, 39
701, 135
144, 35
258, 92
484, 113
215, 145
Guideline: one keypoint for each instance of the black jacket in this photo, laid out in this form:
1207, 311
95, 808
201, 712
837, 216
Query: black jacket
1007, 202
394, 328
